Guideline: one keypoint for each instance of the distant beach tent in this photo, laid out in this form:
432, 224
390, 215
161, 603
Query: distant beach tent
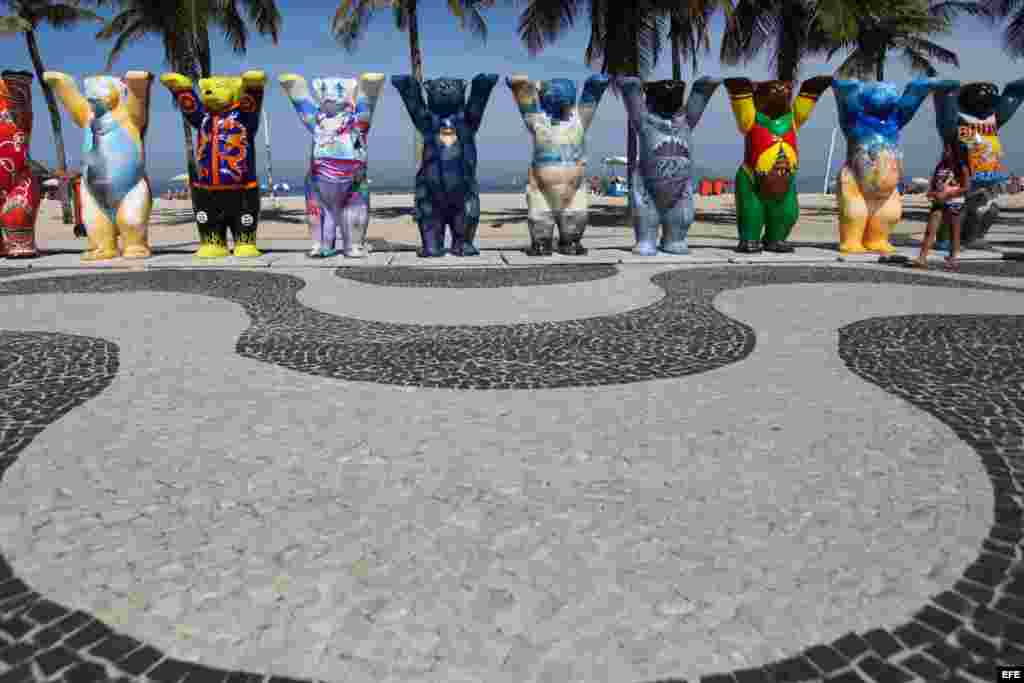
180, 178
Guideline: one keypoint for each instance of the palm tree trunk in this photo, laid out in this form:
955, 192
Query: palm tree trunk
58, 135
630, 161
677, 62
880, 67
416, 61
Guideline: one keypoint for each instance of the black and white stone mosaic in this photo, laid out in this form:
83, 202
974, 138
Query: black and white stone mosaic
1004, 268
680, 335
465, 278
962, 634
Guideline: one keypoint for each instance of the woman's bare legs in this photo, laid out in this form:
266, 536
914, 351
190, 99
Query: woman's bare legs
934, 218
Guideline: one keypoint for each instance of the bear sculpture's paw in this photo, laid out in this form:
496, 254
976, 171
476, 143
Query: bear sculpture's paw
212, 251
247, 251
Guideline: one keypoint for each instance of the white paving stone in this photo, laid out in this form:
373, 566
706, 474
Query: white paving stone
629, 289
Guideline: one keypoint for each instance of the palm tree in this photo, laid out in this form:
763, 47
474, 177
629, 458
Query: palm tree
26, 16
904, 26
353, 16
184, 28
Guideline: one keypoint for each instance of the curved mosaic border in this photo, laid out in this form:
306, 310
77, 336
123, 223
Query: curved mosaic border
972, 628
1006, 268
474, 278
682, 334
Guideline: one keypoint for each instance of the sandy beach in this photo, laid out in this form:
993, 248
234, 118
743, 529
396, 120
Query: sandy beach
503, 221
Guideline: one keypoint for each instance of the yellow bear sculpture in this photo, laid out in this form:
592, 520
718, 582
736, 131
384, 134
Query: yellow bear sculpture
226, 194
116, 197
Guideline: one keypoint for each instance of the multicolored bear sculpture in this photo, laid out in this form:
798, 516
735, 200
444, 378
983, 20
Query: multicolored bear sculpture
662, 182
115, 192
871, 116
226, 112
766, 198
556, 193
20, 191
338, 114
447, 193
970, 116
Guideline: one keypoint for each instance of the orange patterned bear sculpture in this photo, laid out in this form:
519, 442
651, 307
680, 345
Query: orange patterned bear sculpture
19, 189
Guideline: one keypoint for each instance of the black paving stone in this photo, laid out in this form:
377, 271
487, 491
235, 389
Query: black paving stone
205, 674
20, 674
141, 660
952, 657
753, 676
925, 667
47, 637
851, 646
951, 602
825, 658
718, 678
794, 670
16, 627
170, 671
73, 622
115, 647
86, 672
992, 268
942, 622
880, 671
45, 612
243, 677
883, 643
13, 655
467, 278
55, 659
850, 676
93, 633
12, 588
978, 646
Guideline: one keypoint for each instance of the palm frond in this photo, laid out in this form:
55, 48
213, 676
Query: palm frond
1013, 36
543, 21
919, 63
63, 16
265, 17
350, 22
11, 25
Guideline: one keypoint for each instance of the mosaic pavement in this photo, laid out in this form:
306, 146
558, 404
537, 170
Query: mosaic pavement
461, 278
961, 634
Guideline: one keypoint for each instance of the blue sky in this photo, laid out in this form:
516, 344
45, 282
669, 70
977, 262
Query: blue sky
306, 47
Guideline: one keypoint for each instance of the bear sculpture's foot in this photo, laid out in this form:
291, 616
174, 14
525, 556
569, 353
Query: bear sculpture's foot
645, 249
749, 247
356, 251
573, 248
212, 251
779, 247
881, 247
98, 255
247, 251
466, 249
680, 248
321, 252
137, 251
430, 253
942, 245
540, 247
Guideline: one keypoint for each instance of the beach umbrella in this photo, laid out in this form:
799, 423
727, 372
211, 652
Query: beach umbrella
181, 178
